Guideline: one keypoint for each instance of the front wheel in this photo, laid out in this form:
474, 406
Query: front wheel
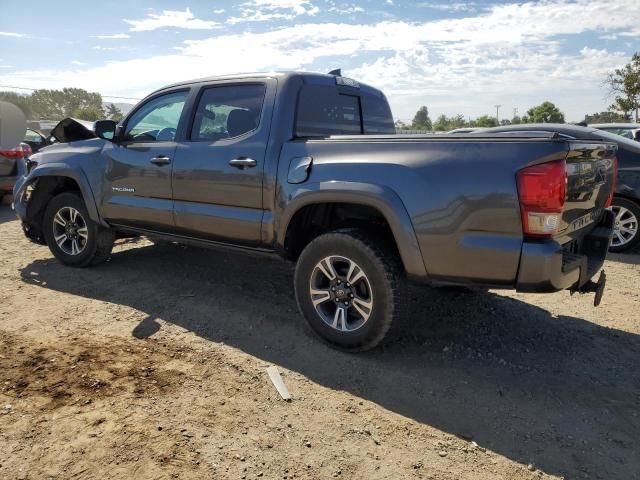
626, 234
348, 288
72, 236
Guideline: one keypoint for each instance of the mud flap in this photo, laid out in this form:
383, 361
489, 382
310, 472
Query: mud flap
594, 287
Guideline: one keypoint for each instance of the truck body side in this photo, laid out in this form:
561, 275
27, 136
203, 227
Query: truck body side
449, 204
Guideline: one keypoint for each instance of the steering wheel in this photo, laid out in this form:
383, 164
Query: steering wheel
166, 134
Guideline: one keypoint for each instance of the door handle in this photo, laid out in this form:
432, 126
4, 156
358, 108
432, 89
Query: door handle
243, 162
161, 160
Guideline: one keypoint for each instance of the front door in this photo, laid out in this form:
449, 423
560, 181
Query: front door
138, 167
218, 168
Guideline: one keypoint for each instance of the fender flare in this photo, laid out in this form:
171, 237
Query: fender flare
63, 170
382, 198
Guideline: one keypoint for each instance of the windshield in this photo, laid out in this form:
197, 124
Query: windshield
618, 138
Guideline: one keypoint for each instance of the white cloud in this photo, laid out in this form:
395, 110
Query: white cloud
511, 55
346, 9
13, 34
219, 11
450, 6
171, 19
79, 63
270, 10
115, 36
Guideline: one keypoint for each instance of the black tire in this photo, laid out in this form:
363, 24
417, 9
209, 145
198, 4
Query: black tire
633, 210
383, 275
99, 240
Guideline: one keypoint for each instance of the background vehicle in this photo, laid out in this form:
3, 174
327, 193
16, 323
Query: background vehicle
35, 139
627, 130
307, 166
626, 201
463, 130
11, 167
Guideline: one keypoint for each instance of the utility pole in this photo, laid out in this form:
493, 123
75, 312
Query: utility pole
498, 114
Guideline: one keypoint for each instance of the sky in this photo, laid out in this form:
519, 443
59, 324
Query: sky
454, 57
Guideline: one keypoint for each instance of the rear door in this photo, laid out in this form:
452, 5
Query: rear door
218, 169
138, 176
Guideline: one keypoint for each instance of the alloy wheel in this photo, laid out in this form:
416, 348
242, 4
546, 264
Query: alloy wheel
70, 231
625, 226
341, 293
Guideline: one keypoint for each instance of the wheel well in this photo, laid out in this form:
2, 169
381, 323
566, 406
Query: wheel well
629, 198
313, 220
42, 191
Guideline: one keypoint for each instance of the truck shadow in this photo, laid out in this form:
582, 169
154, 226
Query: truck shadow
562, 393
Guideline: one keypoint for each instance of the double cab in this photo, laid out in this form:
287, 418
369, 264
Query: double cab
308, 167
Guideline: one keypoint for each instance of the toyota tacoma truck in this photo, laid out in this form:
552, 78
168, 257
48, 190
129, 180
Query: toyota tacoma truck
308, 167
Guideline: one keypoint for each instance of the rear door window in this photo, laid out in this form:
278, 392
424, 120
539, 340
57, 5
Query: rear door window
227, 112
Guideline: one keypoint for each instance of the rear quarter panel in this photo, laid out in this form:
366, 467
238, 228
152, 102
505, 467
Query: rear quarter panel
460, 194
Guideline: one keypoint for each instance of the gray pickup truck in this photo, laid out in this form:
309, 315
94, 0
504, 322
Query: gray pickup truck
308, 167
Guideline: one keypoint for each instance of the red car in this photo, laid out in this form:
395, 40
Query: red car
11, 167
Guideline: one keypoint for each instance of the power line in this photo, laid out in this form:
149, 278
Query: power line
104, 96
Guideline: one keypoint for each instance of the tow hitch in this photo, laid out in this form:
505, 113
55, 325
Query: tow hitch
594, 287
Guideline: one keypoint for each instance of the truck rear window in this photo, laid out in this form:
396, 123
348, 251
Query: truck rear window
325, 110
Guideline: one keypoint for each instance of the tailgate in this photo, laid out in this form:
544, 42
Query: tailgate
591, 177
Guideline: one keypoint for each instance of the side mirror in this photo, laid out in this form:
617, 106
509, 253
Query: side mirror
105, 129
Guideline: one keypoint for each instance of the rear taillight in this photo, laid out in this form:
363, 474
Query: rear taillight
16, 153
613, 183
542, 191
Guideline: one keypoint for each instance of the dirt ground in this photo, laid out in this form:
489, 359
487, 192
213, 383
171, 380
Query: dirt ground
153, 367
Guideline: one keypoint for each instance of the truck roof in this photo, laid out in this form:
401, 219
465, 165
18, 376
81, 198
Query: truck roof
319, 77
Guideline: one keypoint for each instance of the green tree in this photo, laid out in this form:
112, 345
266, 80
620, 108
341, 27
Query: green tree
88, 113
442, 124
624, 105
21, 101
113, 113
486, 121
57, 104
421, 120
625, 82
400, 125
457, 122
516, 120
546, 112
605, 117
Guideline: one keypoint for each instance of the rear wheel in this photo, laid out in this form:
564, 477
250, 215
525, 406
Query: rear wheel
626, 234
348, 288
72, 236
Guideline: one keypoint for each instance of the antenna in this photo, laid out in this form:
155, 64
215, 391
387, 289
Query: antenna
337, 72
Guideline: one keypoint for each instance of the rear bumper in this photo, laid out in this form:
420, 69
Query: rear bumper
547, 266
